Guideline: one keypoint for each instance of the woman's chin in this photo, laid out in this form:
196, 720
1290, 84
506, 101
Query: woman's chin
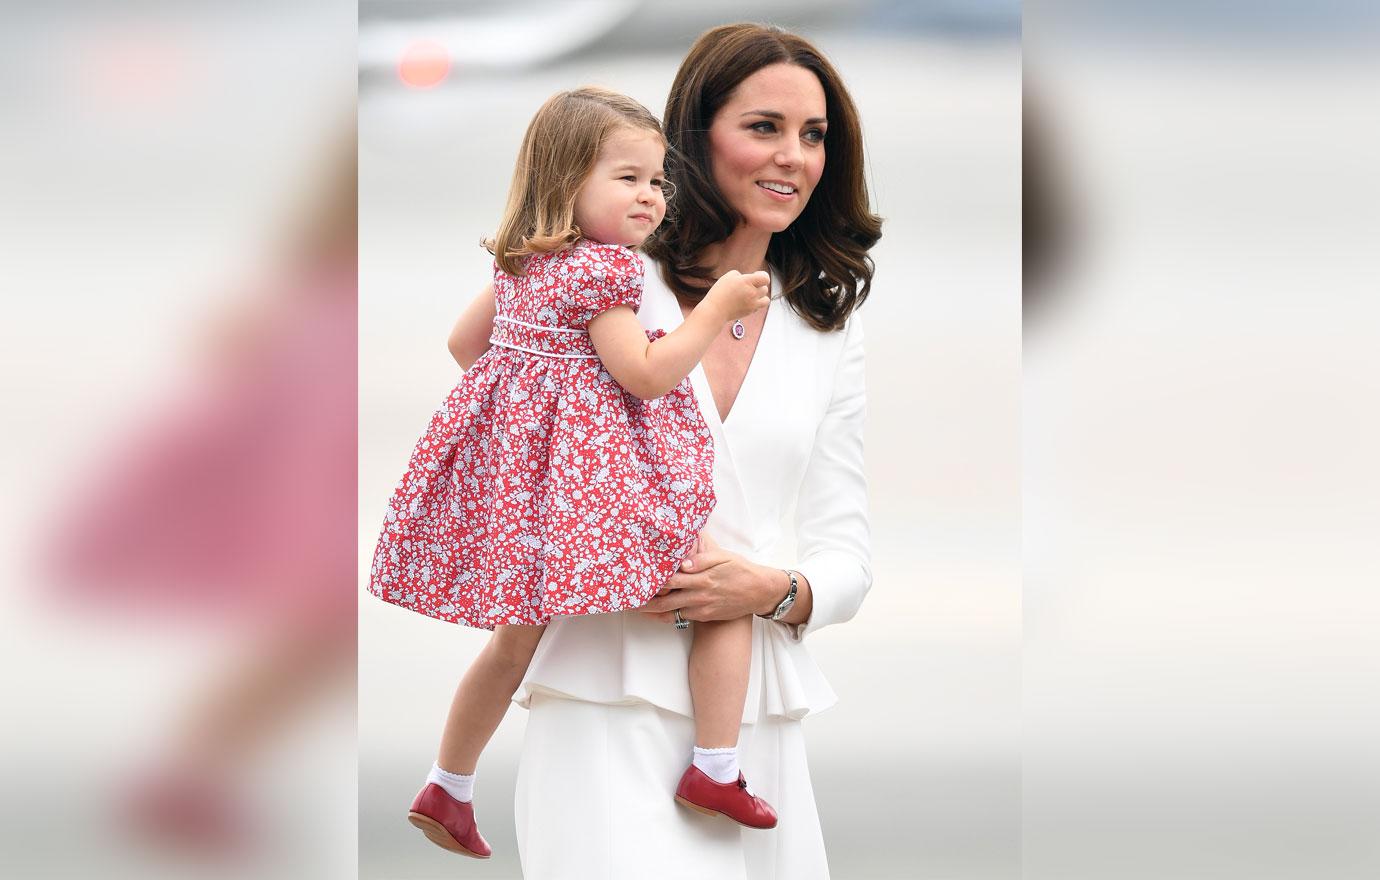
773, 221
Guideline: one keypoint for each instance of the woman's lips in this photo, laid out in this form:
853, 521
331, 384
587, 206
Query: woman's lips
780, 197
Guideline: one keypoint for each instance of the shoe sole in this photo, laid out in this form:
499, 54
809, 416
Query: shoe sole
437, 834
708, 812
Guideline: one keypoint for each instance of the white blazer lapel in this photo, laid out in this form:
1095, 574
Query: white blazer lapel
732, 522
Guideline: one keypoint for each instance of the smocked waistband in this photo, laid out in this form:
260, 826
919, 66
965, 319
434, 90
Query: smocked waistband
560, 342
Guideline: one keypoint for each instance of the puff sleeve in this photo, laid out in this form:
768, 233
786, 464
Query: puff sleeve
601, 276
832, 533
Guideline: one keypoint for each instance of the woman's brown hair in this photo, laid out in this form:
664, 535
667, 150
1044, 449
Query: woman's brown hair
822, 257
558, 153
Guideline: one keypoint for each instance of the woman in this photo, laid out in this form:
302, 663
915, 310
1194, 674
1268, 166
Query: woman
752, 114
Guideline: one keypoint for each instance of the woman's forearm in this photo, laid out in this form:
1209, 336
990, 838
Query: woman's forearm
774, 585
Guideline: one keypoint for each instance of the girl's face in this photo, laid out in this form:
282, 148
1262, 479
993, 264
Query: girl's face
767, 145
622, 201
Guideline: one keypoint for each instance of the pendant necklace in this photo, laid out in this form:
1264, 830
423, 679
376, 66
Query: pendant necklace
738, 330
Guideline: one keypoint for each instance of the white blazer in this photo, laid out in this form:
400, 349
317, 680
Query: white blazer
792, 443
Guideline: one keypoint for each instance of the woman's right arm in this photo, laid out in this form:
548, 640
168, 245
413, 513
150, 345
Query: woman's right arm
834, 567
470, 337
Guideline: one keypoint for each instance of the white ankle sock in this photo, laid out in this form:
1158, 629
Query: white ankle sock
720, 765
459, 787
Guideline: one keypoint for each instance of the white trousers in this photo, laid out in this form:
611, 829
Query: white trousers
595, 791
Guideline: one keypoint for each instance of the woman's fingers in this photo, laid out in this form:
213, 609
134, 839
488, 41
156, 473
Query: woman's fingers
705, 560
663, 614
694, 575
660, 616
660, 604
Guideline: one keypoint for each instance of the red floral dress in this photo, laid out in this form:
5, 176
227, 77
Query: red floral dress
541, 487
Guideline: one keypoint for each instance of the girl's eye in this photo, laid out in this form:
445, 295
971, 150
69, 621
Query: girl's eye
630, 177
657, 182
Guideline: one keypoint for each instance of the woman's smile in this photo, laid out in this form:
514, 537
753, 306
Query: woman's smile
778, 190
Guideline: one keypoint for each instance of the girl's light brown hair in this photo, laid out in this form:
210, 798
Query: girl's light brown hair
821, 257
557, 155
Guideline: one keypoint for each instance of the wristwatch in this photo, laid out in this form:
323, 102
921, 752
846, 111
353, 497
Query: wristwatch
785, 607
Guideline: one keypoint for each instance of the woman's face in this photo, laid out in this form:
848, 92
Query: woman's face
767, 145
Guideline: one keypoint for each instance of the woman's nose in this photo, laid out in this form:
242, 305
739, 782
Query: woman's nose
790, 157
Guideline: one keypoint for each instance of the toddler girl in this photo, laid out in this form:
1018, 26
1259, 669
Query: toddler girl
570, 471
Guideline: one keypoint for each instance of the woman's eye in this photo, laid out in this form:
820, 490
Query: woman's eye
815, 135
764, 127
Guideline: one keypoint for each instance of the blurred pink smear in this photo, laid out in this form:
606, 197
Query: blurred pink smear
240, 498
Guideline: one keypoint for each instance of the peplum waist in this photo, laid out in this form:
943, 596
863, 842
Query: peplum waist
628, 658
559, 342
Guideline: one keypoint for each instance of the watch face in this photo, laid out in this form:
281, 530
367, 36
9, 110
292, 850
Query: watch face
783, 608
786, 603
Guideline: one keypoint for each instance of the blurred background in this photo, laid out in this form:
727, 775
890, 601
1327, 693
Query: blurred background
916, 770
1202, 495
178, 218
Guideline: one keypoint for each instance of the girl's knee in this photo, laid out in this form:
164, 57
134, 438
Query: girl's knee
514, 645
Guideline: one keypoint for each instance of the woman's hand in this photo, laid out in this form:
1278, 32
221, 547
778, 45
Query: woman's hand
714, 584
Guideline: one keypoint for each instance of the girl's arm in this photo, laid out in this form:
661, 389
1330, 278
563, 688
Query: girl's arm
470, 338
648, 370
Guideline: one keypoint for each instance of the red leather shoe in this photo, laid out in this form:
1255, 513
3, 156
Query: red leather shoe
448, 823
732, 799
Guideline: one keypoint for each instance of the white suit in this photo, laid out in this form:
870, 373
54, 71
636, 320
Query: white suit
611, 724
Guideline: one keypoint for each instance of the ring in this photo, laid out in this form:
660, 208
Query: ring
681, 623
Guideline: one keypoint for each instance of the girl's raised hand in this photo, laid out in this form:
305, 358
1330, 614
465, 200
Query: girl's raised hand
737, 295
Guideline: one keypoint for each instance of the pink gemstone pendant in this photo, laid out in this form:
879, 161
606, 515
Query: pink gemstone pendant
738, 330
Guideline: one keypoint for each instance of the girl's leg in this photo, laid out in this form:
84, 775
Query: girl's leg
481, 700
713, 783
719, 658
